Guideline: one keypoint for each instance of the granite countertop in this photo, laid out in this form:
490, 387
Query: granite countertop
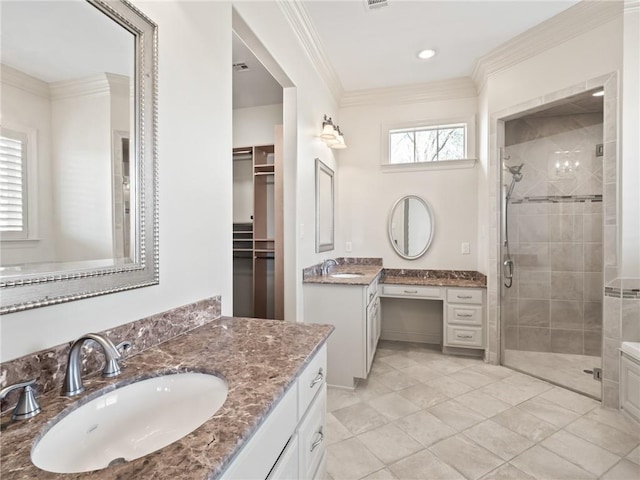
260, 360
443, 278
369, 274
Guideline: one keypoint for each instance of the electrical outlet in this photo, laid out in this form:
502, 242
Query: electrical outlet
465, 248
348, 246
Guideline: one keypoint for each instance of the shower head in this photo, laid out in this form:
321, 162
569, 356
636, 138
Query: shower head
515, 171
517, 176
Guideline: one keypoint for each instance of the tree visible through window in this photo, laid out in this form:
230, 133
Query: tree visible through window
13, 194
432, 144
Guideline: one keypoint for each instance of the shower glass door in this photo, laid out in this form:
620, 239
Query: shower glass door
551, 305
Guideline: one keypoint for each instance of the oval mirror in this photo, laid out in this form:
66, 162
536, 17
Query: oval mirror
411, 227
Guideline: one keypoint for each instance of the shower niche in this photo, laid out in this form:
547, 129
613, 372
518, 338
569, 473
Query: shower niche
552, 237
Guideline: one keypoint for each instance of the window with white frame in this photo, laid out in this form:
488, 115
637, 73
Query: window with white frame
426, 144
13, 185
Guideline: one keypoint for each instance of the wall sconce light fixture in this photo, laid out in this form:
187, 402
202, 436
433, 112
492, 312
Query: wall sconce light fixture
331, 134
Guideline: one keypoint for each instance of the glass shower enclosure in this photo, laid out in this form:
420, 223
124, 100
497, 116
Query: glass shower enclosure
552, 260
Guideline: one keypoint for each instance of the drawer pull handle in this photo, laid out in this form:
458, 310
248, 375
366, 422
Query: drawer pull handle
318, 379
411, 291
465, 315
466, 297
316, 443
464, 336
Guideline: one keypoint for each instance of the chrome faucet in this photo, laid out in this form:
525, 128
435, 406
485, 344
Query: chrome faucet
73, 378
327, 264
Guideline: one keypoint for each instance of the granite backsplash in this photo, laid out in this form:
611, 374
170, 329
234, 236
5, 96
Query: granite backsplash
316, 270
48, 366
443, 274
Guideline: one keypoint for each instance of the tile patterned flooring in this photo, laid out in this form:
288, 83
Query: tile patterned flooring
424, 415
561, 368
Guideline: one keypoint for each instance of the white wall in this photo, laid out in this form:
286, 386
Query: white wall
630, 162
25, 110
254, 126
195, 185
366, 193
82, 176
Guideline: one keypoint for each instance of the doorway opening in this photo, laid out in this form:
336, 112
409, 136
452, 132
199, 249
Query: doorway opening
552, 242
263, 170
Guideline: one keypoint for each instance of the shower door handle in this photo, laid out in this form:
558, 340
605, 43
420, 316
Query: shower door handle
508, 272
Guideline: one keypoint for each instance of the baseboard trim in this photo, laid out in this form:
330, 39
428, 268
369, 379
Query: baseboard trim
399, 336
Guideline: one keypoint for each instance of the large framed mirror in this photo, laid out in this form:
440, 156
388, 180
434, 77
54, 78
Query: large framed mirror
324, 208
411, 227
78, 186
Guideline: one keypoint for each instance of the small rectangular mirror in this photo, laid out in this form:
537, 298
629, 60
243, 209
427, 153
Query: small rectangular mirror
324, 207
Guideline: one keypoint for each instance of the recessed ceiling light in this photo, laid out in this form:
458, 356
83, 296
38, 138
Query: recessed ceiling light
424, 54
599, 93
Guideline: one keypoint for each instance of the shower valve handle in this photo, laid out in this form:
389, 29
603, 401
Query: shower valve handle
508, 263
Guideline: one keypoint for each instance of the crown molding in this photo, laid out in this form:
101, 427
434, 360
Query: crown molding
631, 6
298, 17
455, 88
581, 18
101, 84
18, 79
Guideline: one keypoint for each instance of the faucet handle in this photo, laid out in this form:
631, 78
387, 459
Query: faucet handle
27, 405
123, 346
111, 367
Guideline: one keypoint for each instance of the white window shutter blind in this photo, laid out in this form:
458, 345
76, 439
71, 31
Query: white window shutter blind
13, 195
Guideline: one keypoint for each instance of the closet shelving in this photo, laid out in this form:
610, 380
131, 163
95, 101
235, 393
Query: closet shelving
262, 240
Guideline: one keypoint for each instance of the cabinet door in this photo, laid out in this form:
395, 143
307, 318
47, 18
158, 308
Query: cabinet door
371, 332
378, 321
630, 391
287, 466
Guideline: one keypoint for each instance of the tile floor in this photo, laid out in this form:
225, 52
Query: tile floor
424, 415
562, 368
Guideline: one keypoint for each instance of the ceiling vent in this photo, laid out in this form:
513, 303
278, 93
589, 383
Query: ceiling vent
375, 4
240, 67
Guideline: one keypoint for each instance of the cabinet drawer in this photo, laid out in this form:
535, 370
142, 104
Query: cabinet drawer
464, 295
312, 379
464, 336
311, 436
372, 290
412, 291
471, 315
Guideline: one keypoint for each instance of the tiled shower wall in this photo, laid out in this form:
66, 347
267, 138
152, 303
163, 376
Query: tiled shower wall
555, 219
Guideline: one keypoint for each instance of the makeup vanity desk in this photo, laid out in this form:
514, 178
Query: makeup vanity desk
463, 298
355, 305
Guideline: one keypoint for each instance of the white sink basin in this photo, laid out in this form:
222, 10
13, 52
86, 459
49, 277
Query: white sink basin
129, 422
347, 275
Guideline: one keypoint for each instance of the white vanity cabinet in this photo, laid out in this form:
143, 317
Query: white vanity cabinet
290, 443
354, 310
464, 318
630, 381
462, 311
